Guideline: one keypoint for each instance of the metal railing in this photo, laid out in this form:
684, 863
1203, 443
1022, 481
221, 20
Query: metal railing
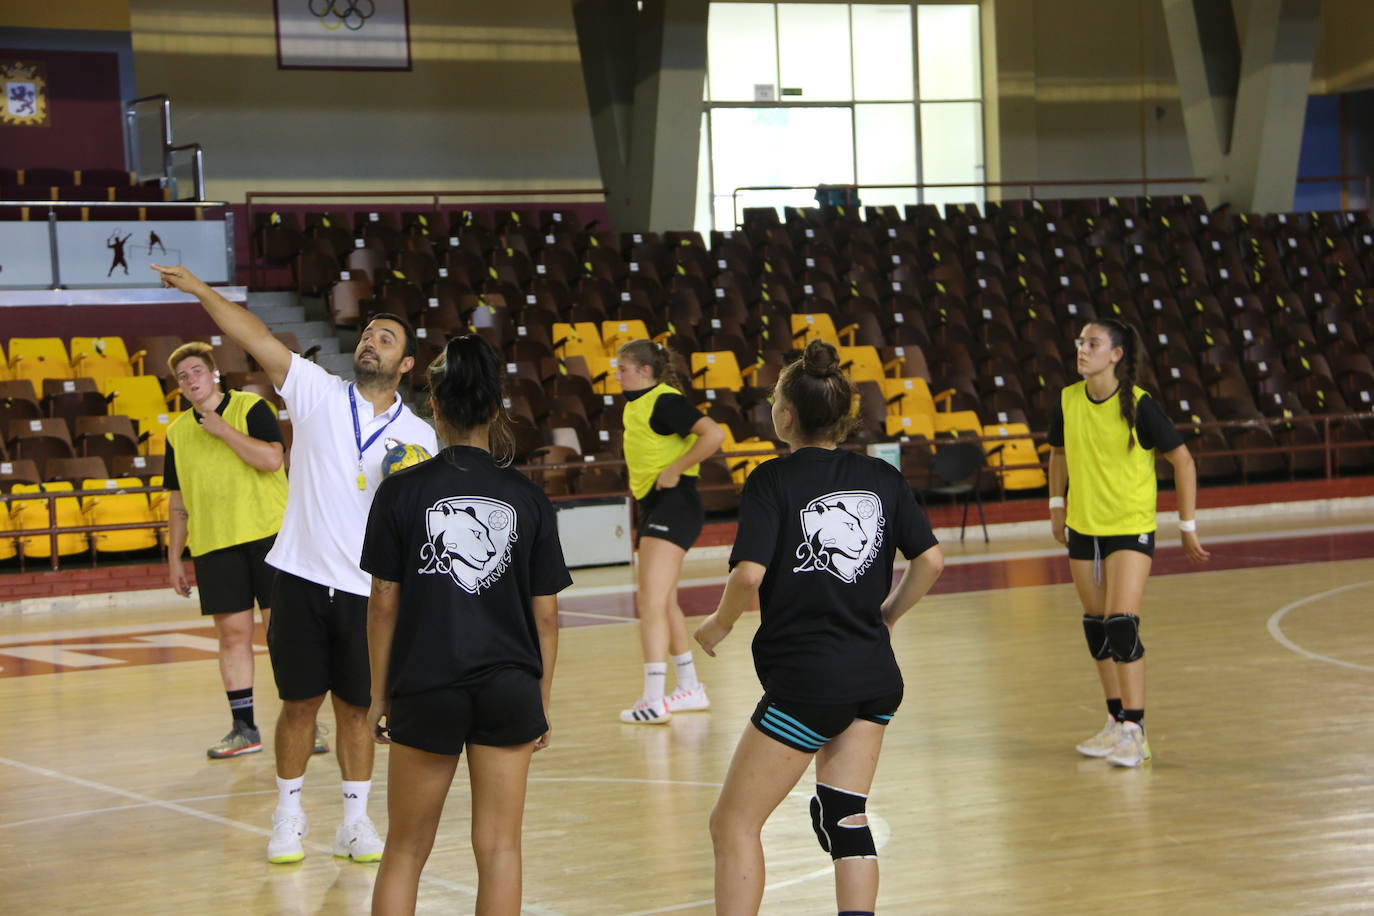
1032, 186
168, 150
253, 198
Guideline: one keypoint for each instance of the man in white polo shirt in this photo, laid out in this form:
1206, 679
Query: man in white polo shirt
318, 634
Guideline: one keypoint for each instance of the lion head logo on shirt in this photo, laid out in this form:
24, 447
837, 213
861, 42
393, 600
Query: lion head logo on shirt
842, 533
469, 539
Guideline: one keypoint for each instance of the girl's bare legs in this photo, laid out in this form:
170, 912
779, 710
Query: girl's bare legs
761, 774
1126, 572
417, 785
661, 624
1093, 596
498, 777
848, 762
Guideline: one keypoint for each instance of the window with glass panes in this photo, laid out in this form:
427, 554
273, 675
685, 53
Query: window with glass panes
802, 94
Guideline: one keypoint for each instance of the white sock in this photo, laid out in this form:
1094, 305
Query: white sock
289, 795
655, 675
355, 799
686, 671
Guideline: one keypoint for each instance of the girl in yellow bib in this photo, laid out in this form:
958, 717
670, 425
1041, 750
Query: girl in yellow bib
1104, 434
666, 439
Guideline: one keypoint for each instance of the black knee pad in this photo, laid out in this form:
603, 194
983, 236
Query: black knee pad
829, 807
1095, 628
1123, 634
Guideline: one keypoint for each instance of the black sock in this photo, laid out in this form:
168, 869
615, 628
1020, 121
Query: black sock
1114, 709
1133, 715
241, 706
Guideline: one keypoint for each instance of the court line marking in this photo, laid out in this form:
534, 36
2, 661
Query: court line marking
177, 808
146, 801
1275, 626
596, 591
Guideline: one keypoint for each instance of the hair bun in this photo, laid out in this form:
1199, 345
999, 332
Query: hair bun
820, 360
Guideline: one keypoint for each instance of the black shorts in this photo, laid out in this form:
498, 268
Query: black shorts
503, 709
674, 515
1097, 547
810, 728
232, 578
317, 639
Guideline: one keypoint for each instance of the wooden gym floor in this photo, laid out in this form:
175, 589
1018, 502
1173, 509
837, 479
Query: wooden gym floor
1260, 799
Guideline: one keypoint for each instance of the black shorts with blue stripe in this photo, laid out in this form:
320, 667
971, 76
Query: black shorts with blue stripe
810, 728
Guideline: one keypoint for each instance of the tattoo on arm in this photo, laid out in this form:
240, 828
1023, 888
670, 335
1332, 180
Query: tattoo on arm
181, 513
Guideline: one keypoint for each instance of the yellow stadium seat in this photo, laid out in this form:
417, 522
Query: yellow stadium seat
112, 506
615, 334
37, 358
33, 513
807, 327
100, 358
155, 425
4, 365
862, 364
955, 422
908, 397
741, 468
136, 395
577, 339
8, 546
1016, 448
716, 369
158, 501
923, 425
602, 369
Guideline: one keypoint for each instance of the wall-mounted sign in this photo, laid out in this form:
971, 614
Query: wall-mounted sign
25, 84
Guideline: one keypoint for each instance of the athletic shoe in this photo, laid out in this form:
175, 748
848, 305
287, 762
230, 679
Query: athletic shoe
287, 832
1132, 749
646, 713
240, 740
321, 745
685, 700
1101, 744
358, 840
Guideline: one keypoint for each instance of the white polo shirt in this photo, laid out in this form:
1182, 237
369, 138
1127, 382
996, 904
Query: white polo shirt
321, 538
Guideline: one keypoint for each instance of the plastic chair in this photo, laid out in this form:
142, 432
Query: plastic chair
716, 369
112, 506
37, 358
100, 358
954, 470
33, 513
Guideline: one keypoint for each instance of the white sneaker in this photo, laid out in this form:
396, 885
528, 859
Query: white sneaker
358, 840
1101, 744
685, 700
287, 832
1132, 749
646, 713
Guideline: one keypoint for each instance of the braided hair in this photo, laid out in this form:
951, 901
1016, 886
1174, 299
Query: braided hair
465, 383
1128, 368
820, 394
657, 357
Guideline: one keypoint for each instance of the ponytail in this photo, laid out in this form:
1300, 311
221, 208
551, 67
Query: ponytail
465, 383
1128, 369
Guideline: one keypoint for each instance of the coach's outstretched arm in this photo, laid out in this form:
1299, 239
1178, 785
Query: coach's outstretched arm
245, 328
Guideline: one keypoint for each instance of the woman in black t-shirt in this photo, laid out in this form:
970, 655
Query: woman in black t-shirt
462, 634
818, 532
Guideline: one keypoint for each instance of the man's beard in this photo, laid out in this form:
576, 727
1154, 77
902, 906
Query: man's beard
372, 373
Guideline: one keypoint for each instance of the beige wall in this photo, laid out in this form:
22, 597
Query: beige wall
1345, 52
494, 99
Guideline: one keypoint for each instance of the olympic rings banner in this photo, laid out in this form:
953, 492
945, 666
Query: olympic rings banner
343, 34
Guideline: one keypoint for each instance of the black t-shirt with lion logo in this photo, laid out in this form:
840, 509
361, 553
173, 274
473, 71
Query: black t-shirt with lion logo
471, 544
827, 524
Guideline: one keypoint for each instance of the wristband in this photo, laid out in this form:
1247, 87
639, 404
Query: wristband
1189, 525
1056, 502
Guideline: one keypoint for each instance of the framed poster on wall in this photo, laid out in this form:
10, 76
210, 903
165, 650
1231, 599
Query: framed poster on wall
343, 34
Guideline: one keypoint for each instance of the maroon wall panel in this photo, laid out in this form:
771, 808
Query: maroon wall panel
85, 121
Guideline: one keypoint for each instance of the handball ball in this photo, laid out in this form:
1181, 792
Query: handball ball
400, 456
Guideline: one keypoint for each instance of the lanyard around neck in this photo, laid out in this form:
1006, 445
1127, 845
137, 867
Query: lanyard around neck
357, 430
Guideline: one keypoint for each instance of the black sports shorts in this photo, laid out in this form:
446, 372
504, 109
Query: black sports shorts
1097, 547
503, 709
317, 639
810, 728
674, 515
232, 578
